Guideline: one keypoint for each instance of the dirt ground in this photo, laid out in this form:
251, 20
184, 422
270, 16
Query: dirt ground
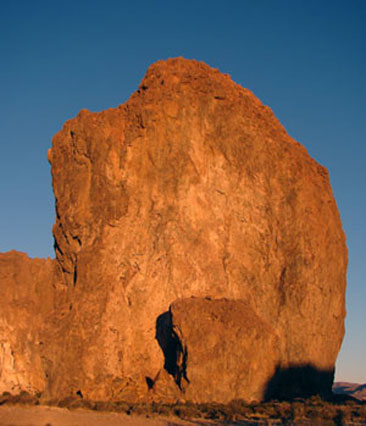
17, 415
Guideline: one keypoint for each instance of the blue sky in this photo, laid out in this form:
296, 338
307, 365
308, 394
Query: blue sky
306, 59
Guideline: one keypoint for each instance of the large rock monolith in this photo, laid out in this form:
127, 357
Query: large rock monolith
191, 188
187, 219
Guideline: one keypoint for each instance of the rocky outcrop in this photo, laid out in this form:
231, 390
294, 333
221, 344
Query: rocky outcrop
25, 300
217, 350
192, 188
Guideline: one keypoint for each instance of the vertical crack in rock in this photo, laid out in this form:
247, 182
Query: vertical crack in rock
174, 350
75, 275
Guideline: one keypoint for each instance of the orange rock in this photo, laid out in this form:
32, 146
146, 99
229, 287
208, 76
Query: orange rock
191, 188
218, 350
25, 300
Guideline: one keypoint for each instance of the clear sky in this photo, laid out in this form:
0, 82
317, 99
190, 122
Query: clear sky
306, 59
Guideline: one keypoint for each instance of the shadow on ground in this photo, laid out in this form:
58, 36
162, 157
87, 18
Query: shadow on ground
300, 381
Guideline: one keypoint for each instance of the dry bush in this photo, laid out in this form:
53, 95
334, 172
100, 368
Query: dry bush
22, 398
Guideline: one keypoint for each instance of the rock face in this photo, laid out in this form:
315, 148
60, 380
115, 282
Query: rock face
218, 350
25, 300
192, 188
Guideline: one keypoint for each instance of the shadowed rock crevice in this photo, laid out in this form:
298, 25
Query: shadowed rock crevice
175, 353
300, 381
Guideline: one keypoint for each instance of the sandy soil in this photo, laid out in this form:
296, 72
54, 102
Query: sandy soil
16, 415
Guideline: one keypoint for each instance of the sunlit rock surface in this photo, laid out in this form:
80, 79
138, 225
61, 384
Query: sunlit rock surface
192, 188
26, 299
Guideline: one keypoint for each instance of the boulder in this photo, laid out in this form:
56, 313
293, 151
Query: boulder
217, 350
192, 188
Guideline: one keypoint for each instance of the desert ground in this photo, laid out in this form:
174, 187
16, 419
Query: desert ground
15, 415
339, 410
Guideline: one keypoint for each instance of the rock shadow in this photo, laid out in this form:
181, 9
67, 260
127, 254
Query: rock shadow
299, 381
175, 354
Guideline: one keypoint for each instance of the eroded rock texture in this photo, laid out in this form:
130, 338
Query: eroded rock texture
217, 350
192, 188
25, 302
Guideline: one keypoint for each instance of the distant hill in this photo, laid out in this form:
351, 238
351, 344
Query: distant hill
356, 390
